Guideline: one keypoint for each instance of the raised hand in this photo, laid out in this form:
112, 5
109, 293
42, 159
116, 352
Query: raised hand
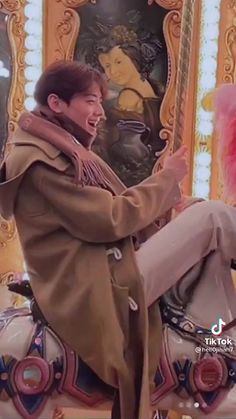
177, 162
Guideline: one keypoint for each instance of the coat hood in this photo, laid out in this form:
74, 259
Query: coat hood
24, 151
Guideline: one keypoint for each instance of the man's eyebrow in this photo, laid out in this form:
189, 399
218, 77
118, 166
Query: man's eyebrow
93, 95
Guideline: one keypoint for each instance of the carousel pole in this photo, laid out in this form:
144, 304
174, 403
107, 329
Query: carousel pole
186, 37
183, 71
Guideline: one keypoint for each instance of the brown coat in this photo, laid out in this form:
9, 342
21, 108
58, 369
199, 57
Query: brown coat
65, 231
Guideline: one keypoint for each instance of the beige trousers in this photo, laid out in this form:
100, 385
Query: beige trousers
206, 228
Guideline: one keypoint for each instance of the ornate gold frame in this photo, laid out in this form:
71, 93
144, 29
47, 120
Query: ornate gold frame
16, 33
62, 25
11, 260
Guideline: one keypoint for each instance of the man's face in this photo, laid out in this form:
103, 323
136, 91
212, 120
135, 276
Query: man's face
85, 109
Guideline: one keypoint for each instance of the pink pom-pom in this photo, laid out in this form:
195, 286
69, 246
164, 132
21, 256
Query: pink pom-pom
225, 121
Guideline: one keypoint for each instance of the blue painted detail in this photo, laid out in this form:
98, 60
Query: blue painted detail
183, 369
37, 342
89, 382
6, 365
31, 403
159, 378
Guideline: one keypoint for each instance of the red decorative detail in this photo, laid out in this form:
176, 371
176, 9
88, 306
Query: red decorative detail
208, 374
31, 362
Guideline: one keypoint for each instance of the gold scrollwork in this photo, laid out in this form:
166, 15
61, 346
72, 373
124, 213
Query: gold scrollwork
6, 278
66, 34
7, 298
11, 259
7, 232
229, 66
170, 4
16, 22
11, 5
172, 26
73, 3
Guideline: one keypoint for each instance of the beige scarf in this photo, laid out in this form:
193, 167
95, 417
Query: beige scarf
70, 139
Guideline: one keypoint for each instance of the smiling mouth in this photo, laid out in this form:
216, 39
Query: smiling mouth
93, 124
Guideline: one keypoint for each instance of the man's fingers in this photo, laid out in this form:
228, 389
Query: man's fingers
182, 151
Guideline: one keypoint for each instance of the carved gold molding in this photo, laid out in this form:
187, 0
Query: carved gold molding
15, 28
170, 4
171, 30
229, 68
73, 3
11, 262
11, 259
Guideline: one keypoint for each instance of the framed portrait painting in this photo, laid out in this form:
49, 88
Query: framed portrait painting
135, 45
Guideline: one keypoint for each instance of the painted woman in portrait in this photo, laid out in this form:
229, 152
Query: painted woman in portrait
127, 54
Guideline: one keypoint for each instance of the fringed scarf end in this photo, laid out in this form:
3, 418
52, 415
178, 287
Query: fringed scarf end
88, 172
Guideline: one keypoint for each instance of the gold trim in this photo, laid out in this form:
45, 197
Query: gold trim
183, 71
170, 4
11, 259
7, 232
171, 30
15, 28
229, 71
67, 31
73, 3
6, 278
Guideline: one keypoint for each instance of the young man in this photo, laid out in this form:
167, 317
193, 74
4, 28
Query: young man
79, 227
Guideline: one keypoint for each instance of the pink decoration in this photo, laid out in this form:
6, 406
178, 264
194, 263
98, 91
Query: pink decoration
27, 363
208, 374
225, 120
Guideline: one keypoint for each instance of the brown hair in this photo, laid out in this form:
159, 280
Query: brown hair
66, 79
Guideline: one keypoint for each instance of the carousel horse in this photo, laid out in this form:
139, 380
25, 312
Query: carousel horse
196, 375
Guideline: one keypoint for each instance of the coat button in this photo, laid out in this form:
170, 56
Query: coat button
132, 304
115, 252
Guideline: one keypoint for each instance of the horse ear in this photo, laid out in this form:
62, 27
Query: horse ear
22, 287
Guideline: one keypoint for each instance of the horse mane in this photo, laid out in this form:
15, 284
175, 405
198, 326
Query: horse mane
225, 122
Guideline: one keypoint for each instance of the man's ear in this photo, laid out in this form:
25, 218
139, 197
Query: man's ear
55, 103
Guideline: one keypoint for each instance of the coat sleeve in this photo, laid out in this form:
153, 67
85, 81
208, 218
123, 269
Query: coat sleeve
94, 215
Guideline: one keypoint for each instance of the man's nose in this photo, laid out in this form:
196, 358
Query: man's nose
100, 112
